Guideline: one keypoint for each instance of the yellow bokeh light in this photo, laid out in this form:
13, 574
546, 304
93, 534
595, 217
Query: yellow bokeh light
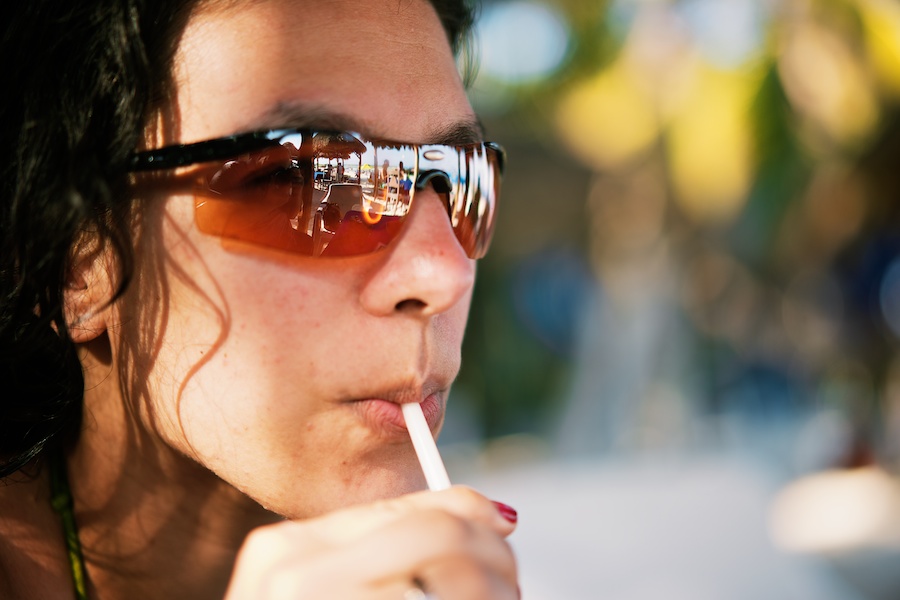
827, 83
881, 21
710, 145
609, 119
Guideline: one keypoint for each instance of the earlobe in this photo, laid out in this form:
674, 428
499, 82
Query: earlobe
88, 291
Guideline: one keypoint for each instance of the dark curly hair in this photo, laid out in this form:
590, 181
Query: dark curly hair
80, 81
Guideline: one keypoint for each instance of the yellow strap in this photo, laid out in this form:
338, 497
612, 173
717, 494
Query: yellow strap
61, 500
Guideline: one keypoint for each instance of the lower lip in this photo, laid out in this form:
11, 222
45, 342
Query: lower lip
387, 417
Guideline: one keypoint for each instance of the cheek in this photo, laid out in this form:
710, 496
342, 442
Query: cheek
446, 335
457, 317
231, 378
264, 332
210, 338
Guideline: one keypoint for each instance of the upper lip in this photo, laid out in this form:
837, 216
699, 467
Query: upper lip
402, 394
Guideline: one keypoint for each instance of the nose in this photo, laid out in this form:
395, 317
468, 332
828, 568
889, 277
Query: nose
425, 271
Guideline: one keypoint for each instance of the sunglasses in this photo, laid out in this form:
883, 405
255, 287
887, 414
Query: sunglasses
329, 193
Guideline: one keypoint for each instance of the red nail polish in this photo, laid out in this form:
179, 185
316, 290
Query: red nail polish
507, 512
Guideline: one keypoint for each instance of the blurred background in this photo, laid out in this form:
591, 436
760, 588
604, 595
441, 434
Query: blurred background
682, 363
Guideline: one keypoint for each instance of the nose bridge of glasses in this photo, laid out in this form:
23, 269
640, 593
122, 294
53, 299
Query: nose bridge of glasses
438, 166
439, 180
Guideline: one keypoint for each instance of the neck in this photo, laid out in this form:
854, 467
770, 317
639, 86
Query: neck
152, 522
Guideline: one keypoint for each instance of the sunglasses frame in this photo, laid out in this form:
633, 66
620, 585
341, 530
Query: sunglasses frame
182, 155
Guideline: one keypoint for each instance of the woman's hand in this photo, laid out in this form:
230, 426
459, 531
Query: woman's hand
451, 543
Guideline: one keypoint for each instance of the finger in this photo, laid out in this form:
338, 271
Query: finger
365, 549
426, 540
352, 523
464, 580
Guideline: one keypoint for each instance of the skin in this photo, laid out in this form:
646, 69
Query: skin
288, 342
231, 387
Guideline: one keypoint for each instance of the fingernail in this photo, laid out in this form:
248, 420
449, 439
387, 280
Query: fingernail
507, 512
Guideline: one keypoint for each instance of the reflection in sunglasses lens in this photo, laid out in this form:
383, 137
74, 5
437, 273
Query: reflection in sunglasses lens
332, 194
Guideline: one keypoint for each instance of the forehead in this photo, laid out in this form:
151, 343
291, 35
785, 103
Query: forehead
382, 67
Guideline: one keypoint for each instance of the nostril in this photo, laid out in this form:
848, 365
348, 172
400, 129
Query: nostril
410, 305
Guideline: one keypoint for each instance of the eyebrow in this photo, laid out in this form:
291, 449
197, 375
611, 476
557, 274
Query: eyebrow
465, 132
289, 115
302, 115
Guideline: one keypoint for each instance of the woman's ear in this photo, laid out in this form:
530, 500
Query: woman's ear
88, 291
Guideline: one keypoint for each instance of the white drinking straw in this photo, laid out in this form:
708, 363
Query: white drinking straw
422, 440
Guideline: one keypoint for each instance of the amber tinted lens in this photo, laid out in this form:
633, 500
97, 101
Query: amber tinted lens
478, 188
332, 194
361, 193
482, 211
256, 198
317, 195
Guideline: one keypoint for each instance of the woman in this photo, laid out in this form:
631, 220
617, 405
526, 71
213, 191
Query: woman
216, 394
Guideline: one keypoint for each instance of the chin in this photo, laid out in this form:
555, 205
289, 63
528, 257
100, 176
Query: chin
362, 486
380, 484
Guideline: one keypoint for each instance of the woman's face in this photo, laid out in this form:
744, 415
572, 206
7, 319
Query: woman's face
283, 374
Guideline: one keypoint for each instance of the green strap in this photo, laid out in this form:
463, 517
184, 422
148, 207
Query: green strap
61, 500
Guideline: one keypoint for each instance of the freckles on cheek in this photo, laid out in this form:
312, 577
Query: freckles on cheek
274, 310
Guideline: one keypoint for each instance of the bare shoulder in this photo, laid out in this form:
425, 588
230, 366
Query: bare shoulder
33, 560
